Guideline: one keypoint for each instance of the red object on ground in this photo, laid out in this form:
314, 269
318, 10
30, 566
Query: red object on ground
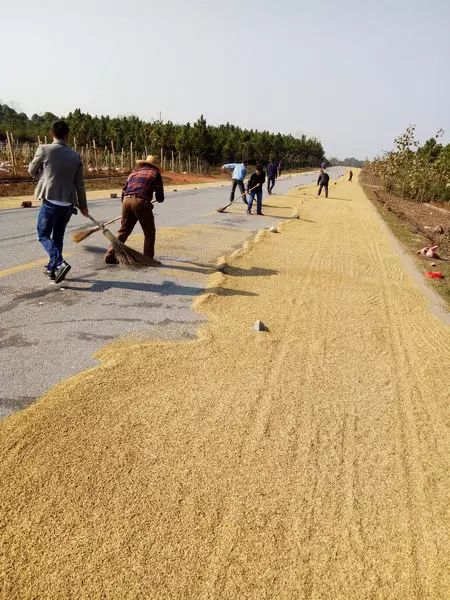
434, 274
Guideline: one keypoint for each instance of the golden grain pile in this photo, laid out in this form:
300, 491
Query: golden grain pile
306, 462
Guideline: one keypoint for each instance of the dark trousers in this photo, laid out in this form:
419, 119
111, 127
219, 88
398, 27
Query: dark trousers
235, 184
270, 184
51, 226
320, 190
258, 193
134, 210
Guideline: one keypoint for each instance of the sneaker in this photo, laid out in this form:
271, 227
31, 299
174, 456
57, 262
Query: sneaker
249, 212
260, 214
61, 271
49, 273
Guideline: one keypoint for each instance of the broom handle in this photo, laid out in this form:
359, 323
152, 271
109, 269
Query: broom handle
250, 190
241, 196
101, 225
112, 220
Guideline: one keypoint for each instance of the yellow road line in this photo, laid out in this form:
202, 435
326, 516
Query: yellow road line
25, 267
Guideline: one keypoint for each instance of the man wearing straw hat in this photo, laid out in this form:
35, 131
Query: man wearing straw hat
137, 205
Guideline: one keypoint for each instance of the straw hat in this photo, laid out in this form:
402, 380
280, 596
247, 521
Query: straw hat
150, 160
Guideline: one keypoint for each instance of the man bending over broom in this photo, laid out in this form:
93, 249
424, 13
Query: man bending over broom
137, 205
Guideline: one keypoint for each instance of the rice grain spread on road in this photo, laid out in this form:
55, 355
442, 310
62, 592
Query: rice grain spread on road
310, 461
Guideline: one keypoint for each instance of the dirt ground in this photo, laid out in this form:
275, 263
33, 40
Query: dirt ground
422, 217
22, 188
416, 225
306, 462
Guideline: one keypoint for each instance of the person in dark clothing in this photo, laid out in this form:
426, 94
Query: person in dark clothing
350, 176
256, 179
137, 205
323, 182
272, 172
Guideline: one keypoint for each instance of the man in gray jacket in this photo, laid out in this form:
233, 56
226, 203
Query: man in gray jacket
60, 188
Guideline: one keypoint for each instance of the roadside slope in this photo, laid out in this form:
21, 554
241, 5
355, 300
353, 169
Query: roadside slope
307, 462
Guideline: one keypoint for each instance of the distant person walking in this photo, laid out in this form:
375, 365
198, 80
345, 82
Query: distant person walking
256, 179
350, 176
137, 205
322, 182
279, 168
239, 171
272, 173
60, 187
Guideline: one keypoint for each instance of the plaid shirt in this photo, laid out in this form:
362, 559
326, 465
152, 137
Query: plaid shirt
142, 182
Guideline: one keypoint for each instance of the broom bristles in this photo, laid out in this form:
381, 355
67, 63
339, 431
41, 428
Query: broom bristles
112, 238
82, 234
127, 256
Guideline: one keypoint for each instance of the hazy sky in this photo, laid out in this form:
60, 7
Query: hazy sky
352, 73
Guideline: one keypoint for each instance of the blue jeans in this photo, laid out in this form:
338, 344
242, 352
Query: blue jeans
51, 226
258, 194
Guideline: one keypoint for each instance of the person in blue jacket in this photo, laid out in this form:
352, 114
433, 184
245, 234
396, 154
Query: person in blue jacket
239, 171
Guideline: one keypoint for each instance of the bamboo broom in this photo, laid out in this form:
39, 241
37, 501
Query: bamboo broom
81, 234
220, 210
125, 255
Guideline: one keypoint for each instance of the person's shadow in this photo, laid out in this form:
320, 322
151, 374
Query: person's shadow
166, 288
207, 269
195, 267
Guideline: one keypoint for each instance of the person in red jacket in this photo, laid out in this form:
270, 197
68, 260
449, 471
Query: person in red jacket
137, 205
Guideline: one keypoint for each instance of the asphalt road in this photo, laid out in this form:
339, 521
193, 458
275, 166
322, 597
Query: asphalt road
49, 332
